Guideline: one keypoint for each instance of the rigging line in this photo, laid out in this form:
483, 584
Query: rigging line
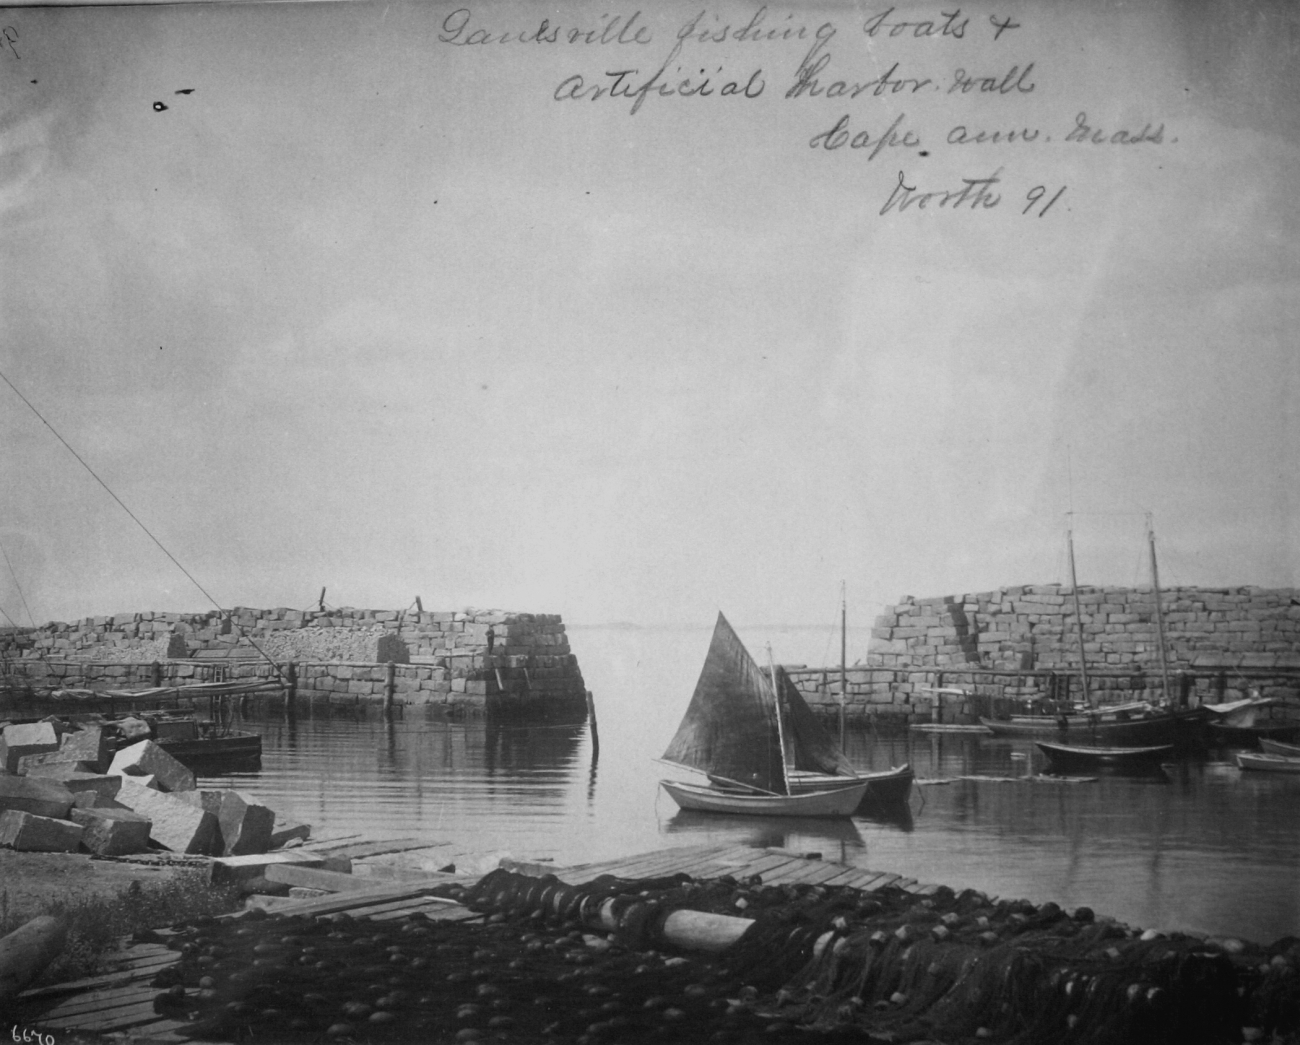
13, 622
17, 586
111, 494
1069, 481
40, 654
136, 519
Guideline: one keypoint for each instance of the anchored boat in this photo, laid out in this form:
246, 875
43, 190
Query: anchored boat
1068, 756
1277, 747
1252, 720
1137, 723
762, 749
1134, 724
1269, 763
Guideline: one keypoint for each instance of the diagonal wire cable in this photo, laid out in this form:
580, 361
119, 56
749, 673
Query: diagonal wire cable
19, 588
82, 461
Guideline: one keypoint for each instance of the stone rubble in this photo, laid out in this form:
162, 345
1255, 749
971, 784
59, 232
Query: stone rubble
58, 802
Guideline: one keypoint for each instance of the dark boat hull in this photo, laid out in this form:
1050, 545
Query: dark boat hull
235, 748
888, 790
1070, 757
1179, 726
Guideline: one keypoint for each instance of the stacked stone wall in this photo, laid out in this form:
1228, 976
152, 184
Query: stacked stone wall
999, 651
475, 657
1036, 627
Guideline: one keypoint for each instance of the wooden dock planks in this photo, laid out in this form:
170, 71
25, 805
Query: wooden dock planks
121, 999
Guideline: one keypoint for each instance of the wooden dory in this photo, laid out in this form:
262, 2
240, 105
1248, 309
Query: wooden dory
1067, 756
1268, 763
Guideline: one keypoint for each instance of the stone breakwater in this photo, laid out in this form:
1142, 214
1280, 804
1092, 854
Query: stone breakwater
1036, 627
1007, 647
474, 658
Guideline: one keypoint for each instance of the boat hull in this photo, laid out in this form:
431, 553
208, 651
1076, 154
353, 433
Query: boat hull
1268, 763
236, 748
836, 802
1276, 747
1065, 756
1163, 727
885, 789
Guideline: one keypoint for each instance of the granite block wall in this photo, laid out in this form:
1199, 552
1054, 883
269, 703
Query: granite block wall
1035, 626
471, 658
1000, 650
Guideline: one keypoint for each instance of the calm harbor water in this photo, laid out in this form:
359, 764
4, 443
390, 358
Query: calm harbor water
1203, 847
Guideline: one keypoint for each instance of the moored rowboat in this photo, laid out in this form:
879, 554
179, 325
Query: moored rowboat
889, 787
839, 801
1072, 756
1268, 763
1277, 747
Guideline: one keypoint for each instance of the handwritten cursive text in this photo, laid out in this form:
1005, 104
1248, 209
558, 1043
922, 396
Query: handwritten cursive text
975, 193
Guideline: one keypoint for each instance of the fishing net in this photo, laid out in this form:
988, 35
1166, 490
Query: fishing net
551, 962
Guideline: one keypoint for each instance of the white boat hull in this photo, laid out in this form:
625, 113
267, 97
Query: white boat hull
840, 801
1269, 763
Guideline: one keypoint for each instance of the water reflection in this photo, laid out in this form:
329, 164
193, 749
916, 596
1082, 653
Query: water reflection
790, 832
831, 837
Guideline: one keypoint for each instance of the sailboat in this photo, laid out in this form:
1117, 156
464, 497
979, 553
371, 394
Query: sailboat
1134, 723
761, 748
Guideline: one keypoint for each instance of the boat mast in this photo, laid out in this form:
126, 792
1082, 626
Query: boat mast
1160, 616
780, 729
1078, 612
844, 657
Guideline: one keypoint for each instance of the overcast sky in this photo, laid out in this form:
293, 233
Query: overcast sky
372, 310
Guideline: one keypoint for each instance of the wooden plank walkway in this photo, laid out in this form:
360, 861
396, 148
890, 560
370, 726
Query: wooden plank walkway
776, 866
121, 998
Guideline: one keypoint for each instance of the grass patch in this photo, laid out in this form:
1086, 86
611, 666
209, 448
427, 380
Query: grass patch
97, 924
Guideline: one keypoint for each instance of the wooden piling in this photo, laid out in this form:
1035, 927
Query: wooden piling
291, 684
390, 684
155, 670
591, 718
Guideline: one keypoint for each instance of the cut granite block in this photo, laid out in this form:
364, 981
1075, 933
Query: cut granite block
30, 833
94, 800
245, 824
147, 758
210, 801
113, 832
28, 763
75, 779
27, 738
177, 825
39, 797
90, 745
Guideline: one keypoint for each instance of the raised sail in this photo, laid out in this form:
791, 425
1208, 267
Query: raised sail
730, 729
808, 745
